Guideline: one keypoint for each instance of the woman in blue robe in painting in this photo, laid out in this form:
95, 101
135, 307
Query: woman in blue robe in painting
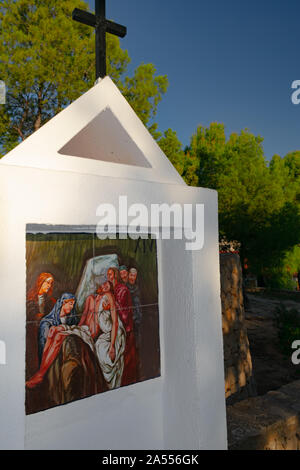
68, 370
56, 318
51, 335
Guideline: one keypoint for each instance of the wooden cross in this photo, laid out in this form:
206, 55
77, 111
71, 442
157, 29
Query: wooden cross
102, 26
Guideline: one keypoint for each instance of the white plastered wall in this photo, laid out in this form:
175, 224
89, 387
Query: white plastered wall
185, 407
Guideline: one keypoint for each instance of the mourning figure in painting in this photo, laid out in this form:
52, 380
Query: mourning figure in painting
125, 313
51, 333
67, 355
123, 274
39, 298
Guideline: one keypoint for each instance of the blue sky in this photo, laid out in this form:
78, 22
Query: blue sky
230, 61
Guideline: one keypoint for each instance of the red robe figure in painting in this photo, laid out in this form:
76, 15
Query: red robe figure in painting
124, 309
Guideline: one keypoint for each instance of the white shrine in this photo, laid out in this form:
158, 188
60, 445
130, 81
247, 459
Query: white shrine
92, 152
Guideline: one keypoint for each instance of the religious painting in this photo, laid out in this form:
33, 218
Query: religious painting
92, 316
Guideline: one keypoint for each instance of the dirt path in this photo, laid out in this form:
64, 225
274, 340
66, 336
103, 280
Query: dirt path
271, 369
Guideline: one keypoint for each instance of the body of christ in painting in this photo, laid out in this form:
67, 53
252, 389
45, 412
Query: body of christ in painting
92, 316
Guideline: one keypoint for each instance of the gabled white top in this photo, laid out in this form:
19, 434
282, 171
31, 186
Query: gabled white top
98, 134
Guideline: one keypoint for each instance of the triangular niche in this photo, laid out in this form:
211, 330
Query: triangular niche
105, 139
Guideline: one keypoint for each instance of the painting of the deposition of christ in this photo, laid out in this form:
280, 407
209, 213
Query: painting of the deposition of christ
92, 317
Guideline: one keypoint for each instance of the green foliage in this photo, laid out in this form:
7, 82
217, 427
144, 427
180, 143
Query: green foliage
287, 171
190, 168
292, 259
258, 204
172, 147
183, 160
292, 162
281, 274
207, 145
287, 322
48, 60
144, 91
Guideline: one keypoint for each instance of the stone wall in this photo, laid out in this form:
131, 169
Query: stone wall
239, 380
268, 422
